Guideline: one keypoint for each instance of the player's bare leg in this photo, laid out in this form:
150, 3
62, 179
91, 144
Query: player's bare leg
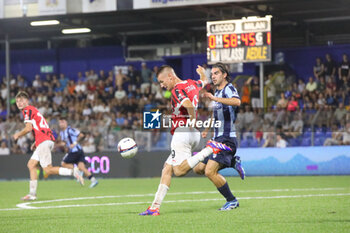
82, 168
167, 173
163, 188
212, 172
199, 169
88, 174
33, 183
62, 171
67, 165
188, 164
32, 166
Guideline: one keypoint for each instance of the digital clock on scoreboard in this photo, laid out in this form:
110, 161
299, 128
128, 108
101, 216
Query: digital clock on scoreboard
236, 41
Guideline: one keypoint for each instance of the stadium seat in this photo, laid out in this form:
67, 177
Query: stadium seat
262, 142
244, 143
307, 129
306, 142
253, 143
319, 134
294, 142
319, 141
328, 134
307, 134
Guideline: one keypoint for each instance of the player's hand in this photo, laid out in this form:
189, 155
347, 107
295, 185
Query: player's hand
15, 136
32, 147
204, 134
200, 70
72, 145
209, 95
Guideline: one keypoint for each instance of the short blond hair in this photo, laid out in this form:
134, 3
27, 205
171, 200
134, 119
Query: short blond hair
22, 94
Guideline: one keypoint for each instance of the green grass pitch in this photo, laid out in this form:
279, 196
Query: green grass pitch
267, 204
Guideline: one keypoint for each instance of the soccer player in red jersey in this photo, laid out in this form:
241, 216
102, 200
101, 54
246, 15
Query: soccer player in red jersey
44, 142
184, 102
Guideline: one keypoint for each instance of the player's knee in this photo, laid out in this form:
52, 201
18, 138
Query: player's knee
179, 172
48, 170
209, 173
31, 165
81, 166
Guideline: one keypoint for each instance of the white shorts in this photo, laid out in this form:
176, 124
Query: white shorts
184, 141
43, 153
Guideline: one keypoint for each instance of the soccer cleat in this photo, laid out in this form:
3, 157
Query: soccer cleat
28, 197
78, 176
238, 167
217, 147
230, 205
93, 183
149, 211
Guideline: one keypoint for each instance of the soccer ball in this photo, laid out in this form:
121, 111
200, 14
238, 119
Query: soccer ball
127, 147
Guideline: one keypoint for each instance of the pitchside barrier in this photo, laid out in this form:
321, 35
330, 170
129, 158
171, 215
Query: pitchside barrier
331, 160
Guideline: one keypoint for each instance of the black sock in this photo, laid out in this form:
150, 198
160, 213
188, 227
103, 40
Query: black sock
226, 192
90, 177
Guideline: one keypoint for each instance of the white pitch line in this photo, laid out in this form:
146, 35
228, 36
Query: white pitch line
184, 193
25, 205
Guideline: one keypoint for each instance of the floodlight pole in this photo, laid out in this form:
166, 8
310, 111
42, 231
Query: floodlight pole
7, 60
261, 74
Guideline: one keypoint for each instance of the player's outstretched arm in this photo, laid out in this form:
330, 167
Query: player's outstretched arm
28, 128
201, 72
80, 137
227, 101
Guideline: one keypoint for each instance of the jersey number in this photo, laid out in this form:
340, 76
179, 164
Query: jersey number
43, 124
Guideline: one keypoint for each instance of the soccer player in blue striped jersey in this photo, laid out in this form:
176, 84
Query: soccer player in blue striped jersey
226, 103
70, 137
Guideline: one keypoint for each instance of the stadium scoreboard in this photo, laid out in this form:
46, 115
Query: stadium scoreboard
237, 41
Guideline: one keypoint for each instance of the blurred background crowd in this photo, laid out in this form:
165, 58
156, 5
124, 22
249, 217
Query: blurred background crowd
108, 105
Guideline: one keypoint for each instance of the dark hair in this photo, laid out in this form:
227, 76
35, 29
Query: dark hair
63, 118
162, 68
223, 68
22, 94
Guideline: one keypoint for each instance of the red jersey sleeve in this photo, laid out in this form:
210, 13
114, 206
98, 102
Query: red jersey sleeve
179, 95
28, 115
199, 83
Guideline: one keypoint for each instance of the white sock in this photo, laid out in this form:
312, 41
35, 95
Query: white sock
93, 179
199, 157
160, 194
65, 171
33, 184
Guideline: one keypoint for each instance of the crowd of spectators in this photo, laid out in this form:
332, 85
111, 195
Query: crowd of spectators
94, 103
104, 105
298, 108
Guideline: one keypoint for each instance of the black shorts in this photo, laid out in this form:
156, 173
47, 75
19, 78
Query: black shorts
74, 157
224, 158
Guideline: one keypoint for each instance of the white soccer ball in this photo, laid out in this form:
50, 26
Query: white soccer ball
127, 147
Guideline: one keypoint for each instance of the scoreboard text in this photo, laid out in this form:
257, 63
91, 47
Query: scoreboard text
236, 41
